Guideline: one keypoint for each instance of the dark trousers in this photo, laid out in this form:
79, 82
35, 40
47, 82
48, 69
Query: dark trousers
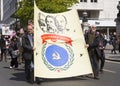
95, 63
14, 62
114, 49
102, 59
29, 72
3, 54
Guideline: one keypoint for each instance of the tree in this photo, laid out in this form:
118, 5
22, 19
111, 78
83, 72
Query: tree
26, 10
55, 6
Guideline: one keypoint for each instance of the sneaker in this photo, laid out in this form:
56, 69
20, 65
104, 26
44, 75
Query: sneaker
11, 67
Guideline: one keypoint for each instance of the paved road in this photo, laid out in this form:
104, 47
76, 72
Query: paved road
111, 56
10, 77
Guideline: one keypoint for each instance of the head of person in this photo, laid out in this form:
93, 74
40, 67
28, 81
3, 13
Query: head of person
30, 22
14, 39
93, 28
30, 29
114, 33
21, 31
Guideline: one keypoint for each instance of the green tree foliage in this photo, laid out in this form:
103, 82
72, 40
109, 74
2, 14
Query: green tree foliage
54, 6
26, 10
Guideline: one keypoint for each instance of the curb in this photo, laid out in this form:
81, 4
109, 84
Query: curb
112, 60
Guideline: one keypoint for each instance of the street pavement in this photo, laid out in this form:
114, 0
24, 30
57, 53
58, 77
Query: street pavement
16, 77
110, 56
12, 77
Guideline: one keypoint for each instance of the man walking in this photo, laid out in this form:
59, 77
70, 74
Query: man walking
93, 50
28, 48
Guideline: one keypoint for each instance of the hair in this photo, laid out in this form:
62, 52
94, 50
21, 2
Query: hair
48, 16
93, 26
14, 37
56, 23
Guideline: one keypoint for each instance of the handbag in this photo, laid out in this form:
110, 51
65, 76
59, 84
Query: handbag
15, 53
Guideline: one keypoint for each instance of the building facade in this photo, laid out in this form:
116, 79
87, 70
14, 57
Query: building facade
101, 13
1, 10
9, 7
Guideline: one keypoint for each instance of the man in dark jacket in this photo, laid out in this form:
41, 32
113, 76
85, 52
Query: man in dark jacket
93, 50
28, 48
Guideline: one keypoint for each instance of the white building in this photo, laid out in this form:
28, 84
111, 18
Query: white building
102, 13
9, 7
1, 10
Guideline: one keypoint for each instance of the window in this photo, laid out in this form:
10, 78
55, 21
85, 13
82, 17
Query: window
83, 0
94, 1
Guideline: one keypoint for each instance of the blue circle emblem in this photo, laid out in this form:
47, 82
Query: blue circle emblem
56, 55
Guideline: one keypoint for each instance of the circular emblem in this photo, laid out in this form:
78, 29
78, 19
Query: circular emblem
57, 58
56, 55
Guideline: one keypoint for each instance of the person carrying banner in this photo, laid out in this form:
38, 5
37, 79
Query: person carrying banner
28, 48
93, 50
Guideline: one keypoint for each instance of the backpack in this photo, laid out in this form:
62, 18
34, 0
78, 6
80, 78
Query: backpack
100, 43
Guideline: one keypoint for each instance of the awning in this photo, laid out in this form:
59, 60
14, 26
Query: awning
102, 23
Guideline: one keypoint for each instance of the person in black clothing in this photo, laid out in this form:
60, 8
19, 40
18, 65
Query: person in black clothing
14, 52
92, 42
102, 56
3, 48
28, 48
114, 43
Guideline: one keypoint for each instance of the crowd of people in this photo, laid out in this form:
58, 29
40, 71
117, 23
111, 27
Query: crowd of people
21, 47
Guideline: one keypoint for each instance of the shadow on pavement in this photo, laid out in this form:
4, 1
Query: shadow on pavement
64, 79
18, 76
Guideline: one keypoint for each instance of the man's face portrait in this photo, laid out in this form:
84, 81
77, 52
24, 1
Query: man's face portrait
61, 22
50, 21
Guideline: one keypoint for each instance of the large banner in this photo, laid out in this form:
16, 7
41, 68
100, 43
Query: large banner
60, 46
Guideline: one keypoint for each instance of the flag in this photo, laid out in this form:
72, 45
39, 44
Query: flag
60, 45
